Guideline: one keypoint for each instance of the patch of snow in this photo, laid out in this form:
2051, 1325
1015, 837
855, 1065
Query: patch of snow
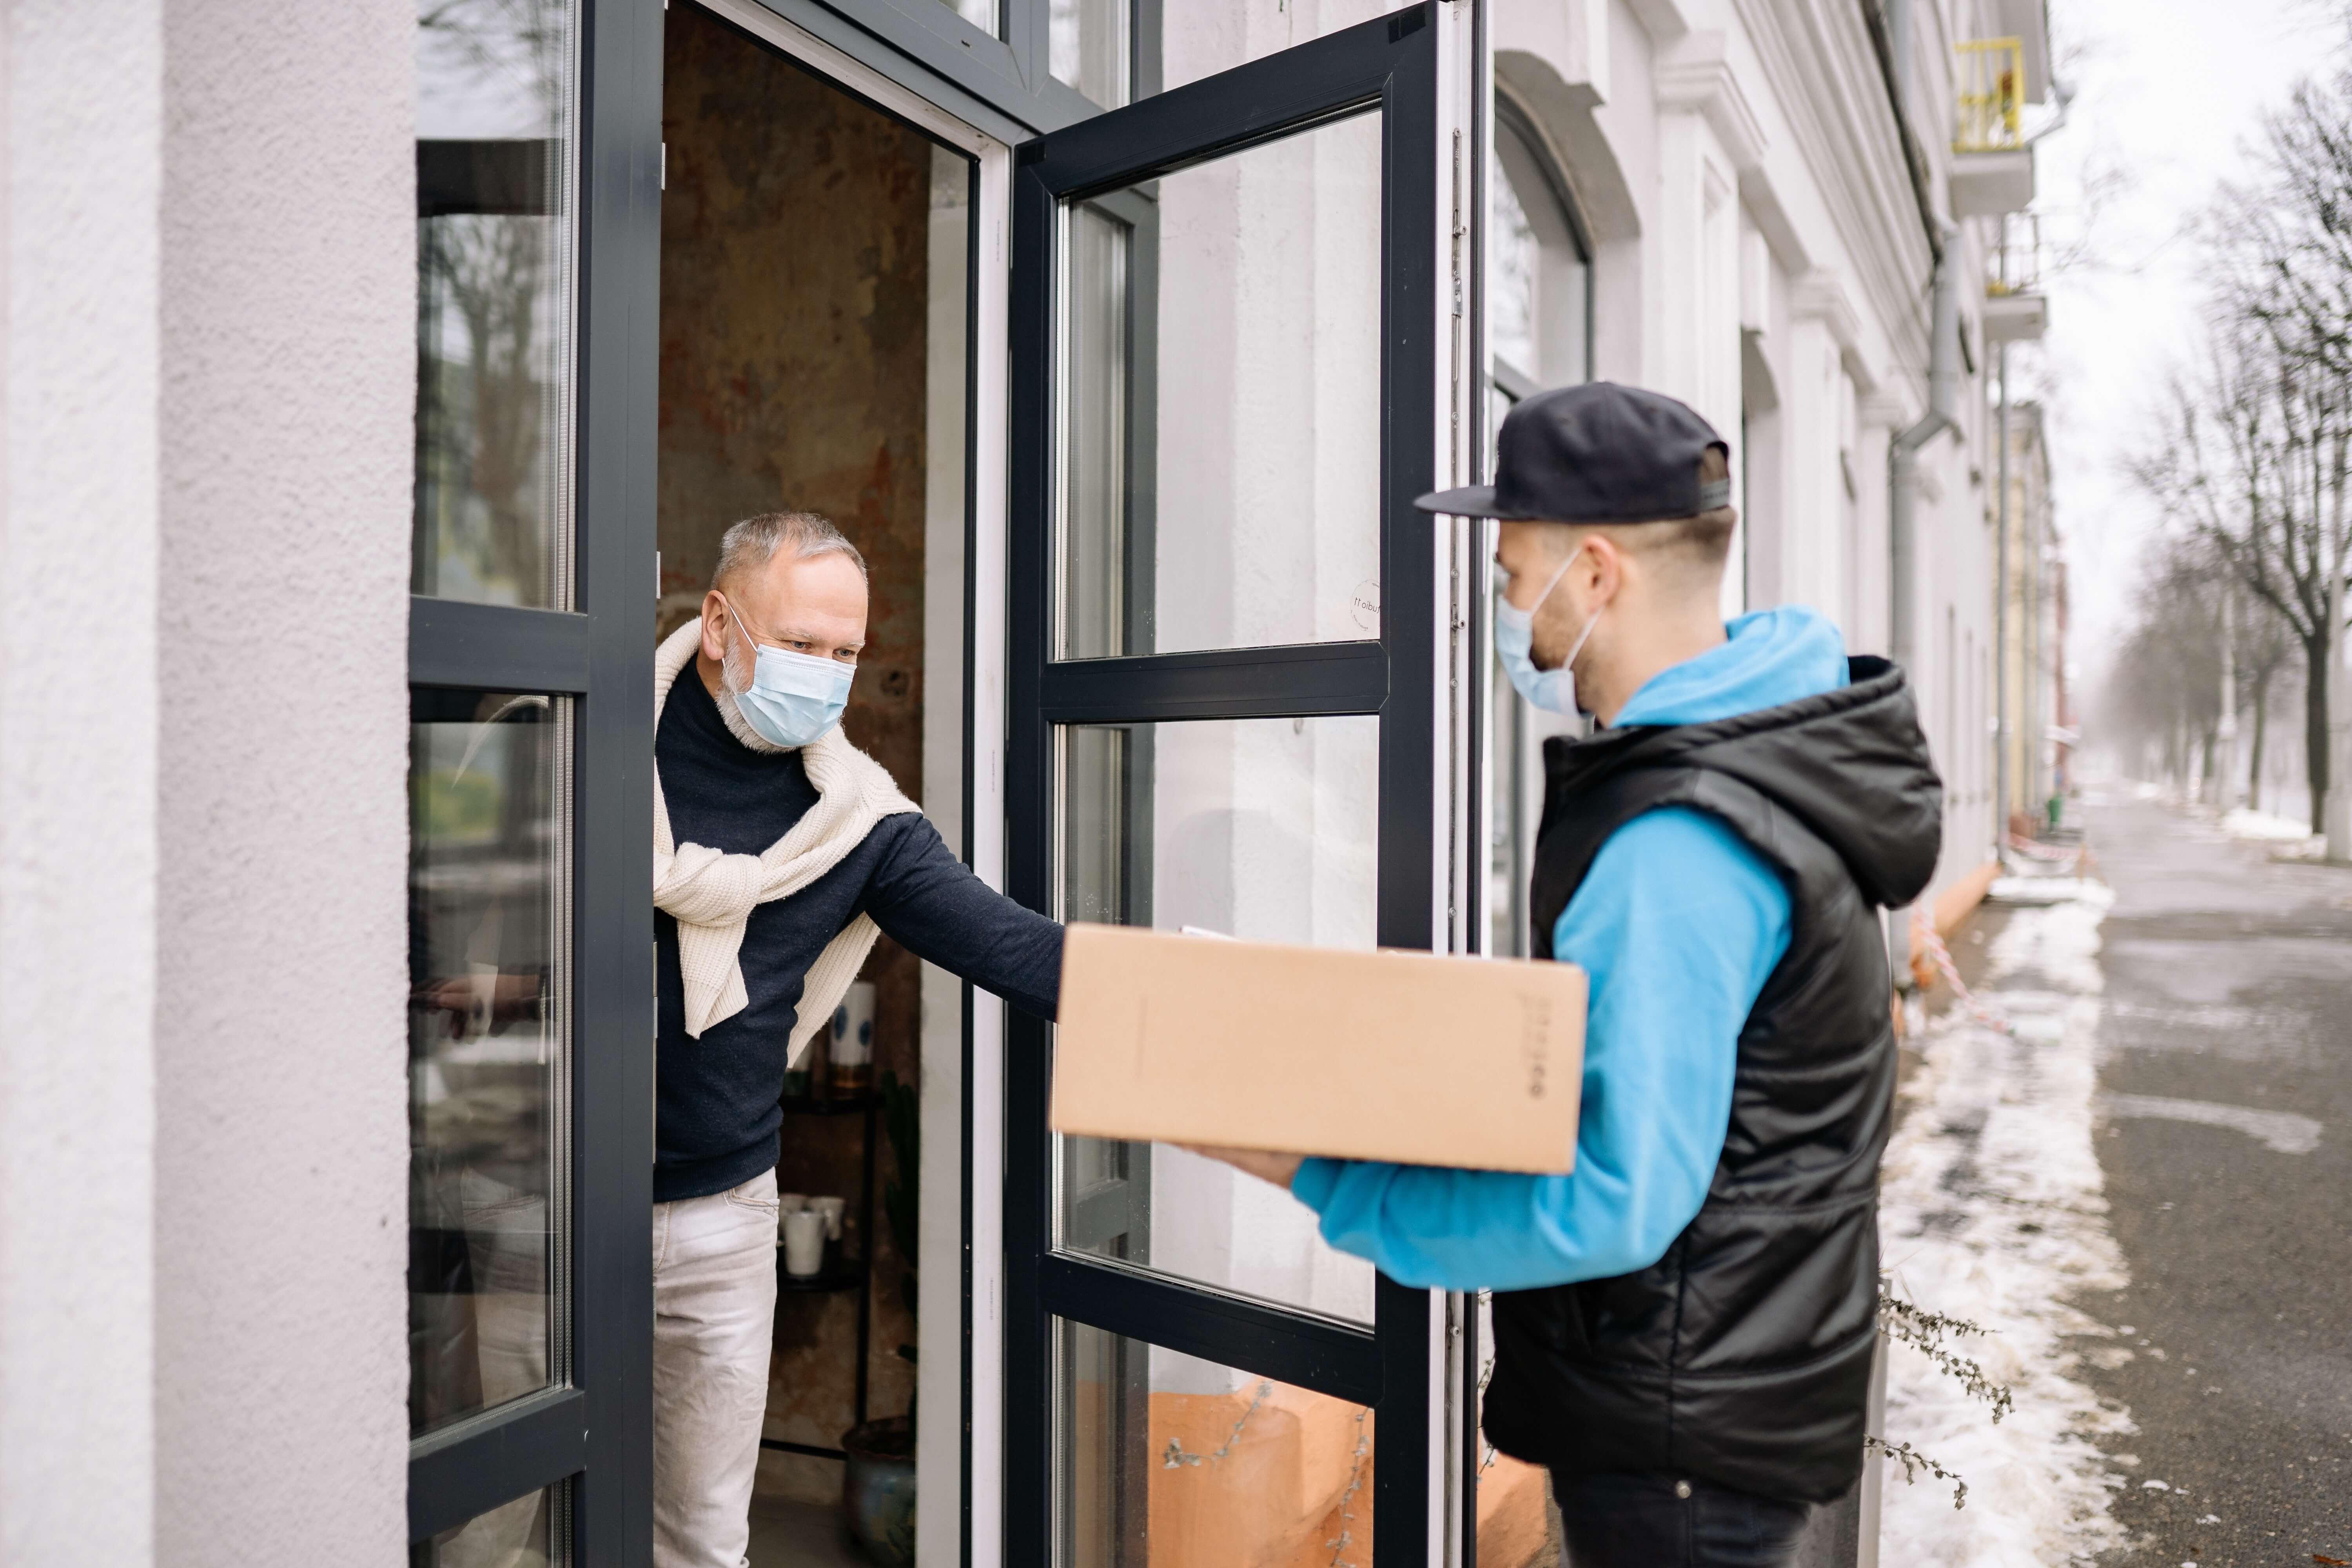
1994, 1210
2143, 791
2286, 1131
2039, 890
2243, 823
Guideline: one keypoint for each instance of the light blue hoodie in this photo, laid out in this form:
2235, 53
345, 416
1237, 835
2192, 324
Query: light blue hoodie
1678, 923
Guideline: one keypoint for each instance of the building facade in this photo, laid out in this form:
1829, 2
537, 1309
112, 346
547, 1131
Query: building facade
2033, 718
393, 359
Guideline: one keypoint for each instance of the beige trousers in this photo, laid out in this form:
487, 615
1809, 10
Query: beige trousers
714, 1319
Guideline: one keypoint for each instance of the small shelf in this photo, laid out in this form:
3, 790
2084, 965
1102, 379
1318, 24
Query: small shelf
811, 1105
845, 1274
810, 1449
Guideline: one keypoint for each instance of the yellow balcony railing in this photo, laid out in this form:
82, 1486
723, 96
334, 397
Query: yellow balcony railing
1991, 94
2017, 256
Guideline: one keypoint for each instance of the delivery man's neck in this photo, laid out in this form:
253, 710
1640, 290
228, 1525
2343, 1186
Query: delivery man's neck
1647, 646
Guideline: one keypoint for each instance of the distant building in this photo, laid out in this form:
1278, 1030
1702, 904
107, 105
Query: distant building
2034, 716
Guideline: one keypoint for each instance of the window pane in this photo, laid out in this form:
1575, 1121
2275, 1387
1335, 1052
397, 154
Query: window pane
1202, 38
1514, 258
525, 1533
1537, 283
1220, 423
981, 13
1086, 43
1102, 575
1265, 829
1165, 1461
494, 180
487, 1044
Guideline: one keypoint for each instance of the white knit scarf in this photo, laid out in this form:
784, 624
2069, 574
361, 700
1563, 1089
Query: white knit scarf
712, 895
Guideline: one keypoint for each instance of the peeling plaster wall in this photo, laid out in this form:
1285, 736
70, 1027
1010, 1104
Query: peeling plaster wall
288, 365
78, 677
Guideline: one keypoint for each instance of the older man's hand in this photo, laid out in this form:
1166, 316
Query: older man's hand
1276, 1168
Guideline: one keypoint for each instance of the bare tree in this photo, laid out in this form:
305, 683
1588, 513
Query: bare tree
2283, 261
2264, 647
2164, 695
2255, 451
2163, 699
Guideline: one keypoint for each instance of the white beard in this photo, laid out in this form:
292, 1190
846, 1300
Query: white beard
732, 714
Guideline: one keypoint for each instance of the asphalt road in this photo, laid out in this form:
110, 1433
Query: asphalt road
2226, 1143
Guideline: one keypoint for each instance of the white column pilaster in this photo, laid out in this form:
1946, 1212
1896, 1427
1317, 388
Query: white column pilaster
78, 531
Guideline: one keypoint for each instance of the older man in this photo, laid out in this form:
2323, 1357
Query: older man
779, 851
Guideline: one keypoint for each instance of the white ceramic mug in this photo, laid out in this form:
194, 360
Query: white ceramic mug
832, 1209
803, 1243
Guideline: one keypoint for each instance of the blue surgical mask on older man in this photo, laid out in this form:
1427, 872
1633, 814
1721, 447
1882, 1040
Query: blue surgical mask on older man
793, 698
1554, 691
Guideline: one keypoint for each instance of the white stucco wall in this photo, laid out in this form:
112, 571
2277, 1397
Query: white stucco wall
78, 849
289, 242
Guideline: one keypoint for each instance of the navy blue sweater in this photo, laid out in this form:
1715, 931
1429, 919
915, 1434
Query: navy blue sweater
717, 1116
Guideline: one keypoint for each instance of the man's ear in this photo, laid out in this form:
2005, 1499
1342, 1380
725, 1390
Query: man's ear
714, 627
1608, 572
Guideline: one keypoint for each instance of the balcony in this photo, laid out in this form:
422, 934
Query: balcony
2015, 309
1992, 164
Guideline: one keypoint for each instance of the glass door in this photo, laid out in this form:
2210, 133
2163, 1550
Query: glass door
1222, 703
530, 931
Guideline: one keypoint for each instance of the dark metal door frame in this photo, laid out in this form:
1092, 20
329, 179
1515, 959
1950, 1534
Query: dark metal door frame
596, 1429
1389, 64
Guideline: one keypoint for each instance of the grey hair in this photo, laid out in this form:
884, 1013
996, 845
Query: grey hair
753, 543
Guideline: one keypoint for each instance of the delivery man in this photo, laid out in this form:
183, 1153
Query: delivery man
1683, 1325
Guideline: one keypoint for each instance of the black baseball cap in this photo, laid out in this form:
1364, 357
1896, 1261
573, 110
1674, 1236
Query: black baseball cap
1595, 453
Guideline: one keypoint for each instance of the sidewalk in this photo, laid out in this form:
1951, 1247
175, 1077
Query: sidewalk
2139, 1185
1993, 1211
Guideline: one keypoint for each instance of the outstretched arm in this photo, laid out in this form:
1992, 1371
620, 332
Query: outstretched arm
932, 904
1678, 924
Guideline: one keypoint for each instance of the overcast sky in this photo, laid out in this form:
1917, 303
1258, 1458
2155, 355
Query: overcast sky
2169, 96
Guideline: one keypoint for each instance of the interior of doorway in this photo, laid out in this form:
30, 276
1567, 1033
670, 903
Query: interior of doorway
813, 357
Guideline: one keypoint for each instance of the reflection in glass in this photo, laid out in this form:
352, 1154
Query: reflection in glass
981, 13
1514, 257
1245, 381
1202, 38
1087, 48
525, 1533
1538, 285
1166, 1460
494, 177
1261, 828
1510, 828
486, 1048
1106, 607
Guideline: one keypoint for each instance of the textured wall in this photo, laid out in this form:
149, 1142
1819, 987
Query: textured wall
78, 527
796, 241
288, 366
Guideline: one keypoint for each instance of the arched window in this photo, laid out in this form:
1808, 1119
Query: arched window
1538, 264
1538, 334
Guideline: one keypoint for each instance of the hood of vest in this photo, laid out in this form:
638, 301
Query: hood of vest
1851, 764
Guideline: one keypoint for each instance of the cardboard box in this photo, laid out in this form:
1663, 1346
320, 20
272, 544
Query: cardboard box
1408, 1057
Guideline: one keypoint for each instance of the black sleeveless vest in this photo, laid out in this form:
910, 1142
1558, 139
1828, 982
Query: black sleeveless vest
1742, 1356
